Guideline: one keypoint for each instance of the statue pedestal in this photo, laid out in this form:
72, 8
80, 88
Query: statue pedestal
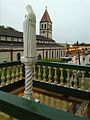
29, 62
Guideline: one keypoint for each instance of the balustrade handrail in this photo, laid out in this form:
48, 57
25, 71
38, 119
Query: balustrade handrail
64, 74
11, 63
64, 65
11, 72
23, 109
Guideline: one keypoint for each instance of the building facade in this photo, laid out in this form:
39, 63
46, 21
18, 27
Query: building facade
46, 46
11, 41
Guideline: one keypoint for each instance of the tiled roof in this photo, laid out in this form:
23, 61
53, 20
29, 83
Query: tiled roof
46, 17
48, 45
10, 32
42, 38
14, 33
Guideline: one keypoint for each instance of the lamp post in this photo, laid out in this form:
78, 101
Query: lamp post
78, 52
11, 51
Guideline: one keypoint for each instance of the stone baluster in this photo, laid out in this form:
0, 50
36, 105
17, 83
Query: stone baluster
82, 81
50, 75
72, 79
61, 77
75, 79
68, 78
21, 72
8, 76
13, 74
35, 72
2, 77
44, 74
55, 76
39, 72
17, 73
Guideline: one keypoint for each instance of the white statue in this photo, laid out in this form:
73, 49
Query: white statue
29, 58
29, 33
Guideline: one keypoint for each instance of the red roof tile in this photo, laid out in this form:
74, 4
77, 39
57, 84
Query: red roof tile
46, 17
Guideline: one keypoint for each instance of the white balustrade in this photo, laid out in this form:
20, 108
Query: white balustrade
17, 73
82, 81
39, 72
2, 77
44, 74
68, 78
8, 76
75, 78
61, 77
13, 74
21, 72
55, 76
50, 75
34, 72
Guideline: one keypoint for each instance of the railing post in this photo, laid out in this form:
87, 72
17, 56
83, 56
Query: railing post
50, 75
17, 73
8, 76
21, 73
13, 74
3, 77
55, 76
75, 79
61, 77
68, 78
39, 72
34, 71
82, 81
44, 73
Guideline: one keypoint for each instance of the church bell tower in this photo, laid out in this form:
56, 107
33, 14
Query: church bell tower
46, 25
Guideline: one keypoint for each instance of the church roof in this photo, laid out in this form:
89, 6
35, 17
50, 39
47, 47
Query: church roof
46, 17
10, 32
42, 38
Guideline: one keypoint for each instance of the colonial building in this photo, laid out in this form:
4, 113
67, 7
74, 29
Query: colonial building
11, 41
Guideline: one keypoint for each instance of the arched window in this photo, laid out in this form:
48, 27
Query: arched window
42, 25
45, 26
18, 56
39, 56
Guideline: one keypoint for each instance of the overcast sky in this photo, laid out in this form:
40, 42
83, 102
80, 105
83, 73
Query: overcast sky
71, 18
